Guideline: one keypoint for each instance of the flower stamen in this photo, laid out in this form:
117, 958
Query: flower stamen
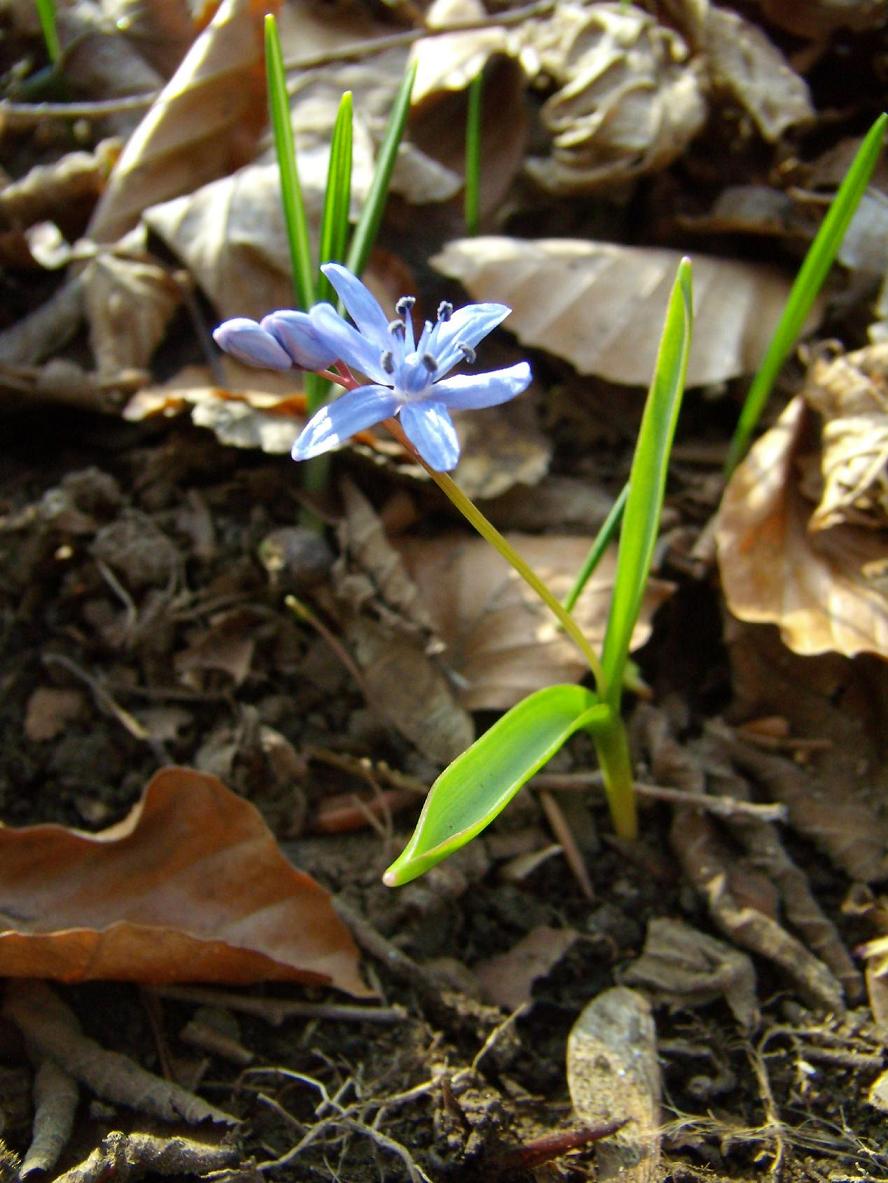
467, 351
387, 360
445, 311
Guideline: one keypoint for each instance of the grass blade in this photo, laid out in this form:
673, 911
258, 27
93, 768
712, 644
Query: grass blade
647, 483
596, 550
285, 147
46, 11
473, 154
479, 784
337, 198
820, 257
371, 215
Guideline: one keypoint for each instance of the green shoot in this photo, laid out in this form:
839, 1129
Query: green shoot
371, 215
46, 11
602, 541
806, 288
473, 154
337, 198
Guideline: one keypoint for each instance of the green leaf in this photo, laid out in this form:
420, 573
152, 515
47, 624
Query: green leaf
820, 257
469, 794
599, 545
285, 148
337, 197
46, 11
371, 215
647, 484
473, 154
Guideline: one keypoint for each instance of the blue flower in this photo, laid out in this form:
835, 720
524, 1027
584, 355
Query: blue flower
408, 378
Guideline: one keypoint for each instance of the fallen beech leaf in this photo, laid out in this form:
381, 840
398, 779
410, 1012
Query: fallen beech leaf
743, 62
612, 1071
501, 642
203, 123
629, 103
822, 589
190, 886
507, 980
600, 306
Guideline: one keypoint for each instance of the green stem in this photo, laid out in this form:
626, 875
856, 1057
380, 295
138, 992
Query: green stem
598, 547
612, 747
489, 533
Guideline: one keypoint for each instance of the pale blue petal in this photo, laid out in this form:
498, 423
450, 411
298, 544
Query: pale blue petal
360, 303
299, 337
251, 344
430, 429
338, 421
467, 326
348, 344
471, 392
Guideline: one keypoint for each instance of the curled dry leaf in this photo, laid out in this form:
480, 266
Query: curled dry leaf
825, 590
600, 306
612, 1071
203, 124
190, 886
500, 642
629, 100
743, 63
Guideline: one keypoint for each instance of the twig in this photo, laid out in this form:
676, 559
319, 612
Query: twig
564, 835
278, 1010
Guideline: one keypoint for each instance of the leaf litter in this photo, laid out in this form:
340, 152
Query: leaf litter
145, 623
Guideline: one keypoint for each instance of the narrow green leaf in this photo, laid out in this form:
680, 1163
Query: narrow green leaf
46, 11
820, 257
337, 198
596, 550
285, 147
469, 794
647, 483
371, 215
473, 154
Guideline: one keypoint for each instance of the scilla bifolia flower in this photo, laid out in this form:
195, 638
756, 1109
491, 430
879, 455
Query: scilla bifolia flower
408, 377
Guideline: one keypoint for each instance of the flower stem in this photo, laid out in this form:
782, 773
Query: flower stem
489, 532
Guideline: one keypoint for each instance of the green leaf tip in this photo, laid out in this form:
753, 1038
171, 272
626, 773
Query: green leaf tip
479, 784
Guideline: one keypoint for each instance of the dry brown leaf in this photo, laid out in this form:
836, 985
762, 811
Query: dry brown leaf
629, 102
501, 642
822, 589
53, 191
203, 124
507, 979
820, 18
161, 30
190, 886
127, 1158
601, 306
612, 1072
450, 61
50, 709
741, 61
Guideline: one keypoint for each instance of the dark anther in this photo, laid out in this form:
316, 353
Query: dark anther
445, 310
429, 362
397, 328
405, 305
387, 360
467, 351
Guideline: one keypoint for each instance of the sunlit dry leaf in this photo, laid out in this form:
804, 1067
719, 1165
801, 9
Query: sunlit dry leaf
190, 886
600, 306
203, 123
822, 589
508, 978
49, 191
851, 394
629, 103
612, 1071
501, 642
742, 62
450, 61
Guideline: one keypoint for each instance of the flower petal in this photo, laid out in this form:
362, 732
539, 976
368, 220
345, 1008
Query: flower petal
338, 421
296, 332
470, 392
467, 326
251, 344
348, 344
430, 429
360, 303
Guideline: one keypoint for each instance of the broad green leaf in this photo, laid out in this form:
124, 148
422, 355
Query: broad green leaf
285, 149
820, 257
647, 483
371, 215
469, 794
337, 198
